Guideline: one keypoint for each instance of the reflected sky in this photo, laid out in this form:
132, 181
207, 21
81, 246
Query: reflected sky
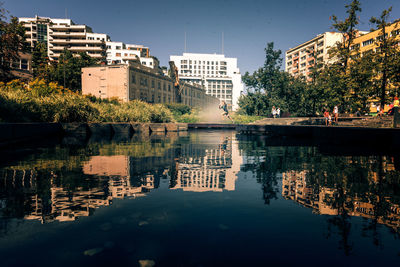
199, 198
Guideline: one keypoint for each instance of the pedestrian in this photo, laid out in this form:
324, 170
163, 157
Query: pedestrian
378, 111
336, 114
273, 112
326, 116
225, 111
278, 113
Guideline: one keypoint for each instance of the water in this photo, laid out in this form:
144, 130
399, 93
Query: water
201, 199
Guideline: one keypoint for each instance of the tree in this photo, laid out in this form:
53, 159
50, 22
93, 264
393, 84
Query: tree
386, 49
342, 51
12, 42
67, 71
40, 61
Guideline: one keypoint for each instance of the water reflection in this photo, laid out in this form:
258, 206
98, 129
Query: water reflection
219, 173
69, 182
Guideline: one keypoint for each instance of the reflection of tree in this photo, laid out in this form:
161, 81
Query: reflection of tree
339, 186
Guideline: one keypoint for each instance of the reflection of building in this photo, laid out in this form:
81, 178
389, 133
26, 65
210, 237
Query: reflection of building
213, 170
322, 198
118, 169
76, 189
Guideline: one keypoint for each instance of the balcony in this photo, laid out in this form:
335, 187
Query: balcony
75, 41
85, 48
62, 27
71, 34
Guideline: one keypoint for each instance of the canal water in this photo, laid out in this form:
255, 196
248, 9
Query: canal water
203, 198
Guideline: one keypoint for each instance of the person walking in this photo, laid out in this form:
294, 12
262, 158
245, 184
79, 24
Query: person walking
336, 114
278, 113
378, 111
273, 112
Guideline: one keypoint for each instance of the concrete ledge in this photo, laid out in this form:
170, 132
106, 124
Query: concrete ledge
76, 128
171, 127
212, 126
141, 128
157, 127
101, 129
182, 127
122, 128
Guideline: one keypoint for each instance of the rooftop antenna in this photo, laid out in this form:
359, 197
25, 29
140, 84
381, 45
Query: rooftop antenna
185, 43
222, 42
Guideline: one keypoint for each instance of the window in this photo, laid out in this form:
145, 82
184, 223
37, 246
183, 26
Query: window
133, 78
117, 54
118, 47
368, 42
152, 84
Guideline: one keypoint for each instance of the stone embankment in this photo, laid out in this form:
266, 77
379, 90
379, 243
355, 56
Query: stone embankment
363, 131
13, 133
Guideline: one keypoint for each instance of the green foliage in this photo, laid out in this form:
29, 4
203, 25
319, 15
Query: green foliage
67, 71
269, 86
44, 104
183, 113
40, 62
244, 119
12, 42
178, 109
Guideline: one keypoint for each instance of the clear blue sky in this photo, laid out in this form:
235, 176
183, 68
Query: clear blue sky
247, 24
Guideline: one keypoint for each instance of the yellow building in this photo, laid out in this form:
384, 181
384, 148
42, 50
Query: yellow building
367, 43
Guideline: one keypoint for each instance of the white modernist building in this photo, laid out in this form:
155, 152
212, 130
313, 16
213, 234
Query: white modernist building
58, 34
121, 53
218, 75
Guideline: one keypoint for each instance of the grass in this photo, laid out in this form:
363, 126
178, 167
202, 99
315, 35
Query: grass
245, 119
17, 104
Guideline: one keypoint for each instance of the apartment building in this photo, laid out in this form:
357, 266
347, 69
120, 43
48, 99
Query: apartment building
121, 53
368, 42
58, 34
217, 74
135, 81
300, 59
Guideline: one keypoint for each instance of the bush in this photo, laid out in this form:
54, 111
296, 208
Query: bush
50, 103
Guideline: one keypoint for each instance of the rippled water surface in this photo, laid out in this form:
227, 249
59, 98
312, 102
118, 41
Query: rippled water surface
199, 199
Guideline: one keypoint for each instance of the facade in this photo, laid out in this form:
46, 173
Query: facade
367, 42
135, 81
58, 34
218, 75
120, 53
22, 68
301, 59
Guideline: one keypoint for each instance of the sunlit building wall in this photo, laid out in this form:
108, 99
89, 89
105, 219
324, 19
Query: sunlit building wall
217, 74
60, 34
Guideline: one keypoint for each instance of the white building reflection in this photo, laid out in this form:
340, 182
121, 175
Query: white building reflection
47, 195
